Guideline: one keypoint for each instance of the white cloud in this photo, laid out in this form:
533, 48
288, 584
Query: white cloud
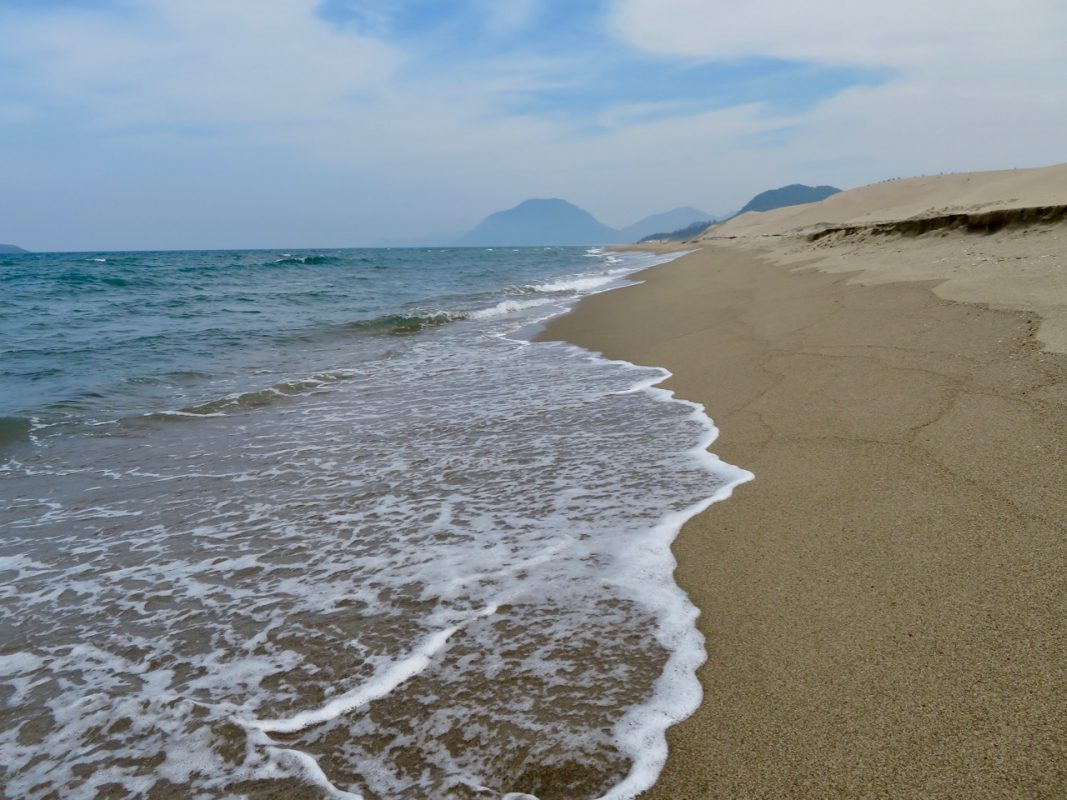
902, 33
512, 16
271, 72
226, 61
971, 85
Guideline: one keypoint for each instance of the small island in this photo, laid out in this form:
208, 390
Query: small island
10, 249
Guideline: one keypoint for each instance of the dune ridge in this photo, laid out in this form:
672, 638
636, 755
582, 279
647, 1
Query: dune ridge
909, 198
915, 230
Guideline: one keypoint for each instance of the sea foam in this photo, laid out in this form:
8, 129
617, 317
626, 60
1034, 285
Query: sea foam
447, 574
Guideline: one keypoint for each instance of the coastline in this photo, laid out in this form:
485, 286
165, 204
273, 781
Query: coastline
884, 605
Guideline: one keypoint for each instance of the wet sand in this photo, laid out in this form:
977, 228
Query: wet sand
885, 605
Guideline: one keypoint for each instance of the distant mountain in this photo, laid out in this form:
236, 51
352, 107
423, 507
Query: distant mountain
669, 221
10, 248
557, 222
793, 195
540, 222
680, 235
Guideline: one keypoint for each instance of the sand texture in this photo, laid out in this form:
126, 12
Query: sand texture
885, 605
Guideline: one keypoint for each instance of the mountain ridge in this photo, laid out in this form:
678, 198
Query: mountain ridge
795, 194
553, 221
667, 221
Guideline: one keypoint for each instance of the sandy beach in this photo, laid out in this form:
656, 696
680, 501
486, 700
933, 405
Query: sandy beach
885, 605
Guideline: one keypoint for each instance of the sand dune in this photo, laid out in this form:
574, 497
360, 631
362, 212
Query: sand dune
965, 232
893, 200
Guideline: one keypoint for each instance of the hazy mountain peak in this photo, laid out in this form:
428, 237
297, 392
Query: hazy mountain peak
672, 220
540, 221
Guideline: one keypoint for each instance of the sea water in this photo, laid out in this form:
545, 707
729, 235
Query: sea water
328, 524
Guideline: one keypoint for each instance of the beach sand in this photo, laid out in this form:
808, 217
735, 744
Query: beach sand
885, 605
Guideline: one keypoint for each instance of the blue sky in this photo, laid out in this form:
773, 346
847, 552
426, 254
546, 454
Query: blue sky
576, 68
223, 123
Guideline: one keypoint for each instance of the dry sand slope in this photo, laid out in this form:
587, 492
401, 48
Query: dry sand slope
885, 605
876, 229
927, 196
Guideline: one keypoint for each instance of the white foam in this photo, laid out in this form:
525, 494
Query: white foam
584, 284
18, 663
505, 307
477, 514
642, 730
310, 767
380, 686
175, 412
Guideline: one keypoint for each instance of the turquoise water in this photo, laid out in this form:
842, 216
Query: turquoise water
329, 524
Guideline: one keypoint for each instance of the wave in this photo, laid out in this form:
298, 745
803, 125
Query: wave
14, 429
411, 323
291, 259
509, 307
400, 324
388, 325
260, 398
574, 284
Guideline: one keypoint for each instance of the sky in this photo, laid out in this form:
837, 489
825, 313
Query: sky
181, 124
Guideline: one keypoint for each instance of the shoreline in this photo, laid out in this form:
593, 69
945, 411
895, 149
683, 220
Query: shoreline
883, 606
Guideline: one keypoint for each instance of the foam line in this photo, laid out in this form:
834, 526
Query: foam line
678, 693
575, 284
310, 767
641, 733
509, 307
374, 689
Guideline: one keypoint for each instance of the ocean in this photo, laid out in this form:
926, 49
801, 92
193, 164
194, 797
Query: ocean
330, 524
